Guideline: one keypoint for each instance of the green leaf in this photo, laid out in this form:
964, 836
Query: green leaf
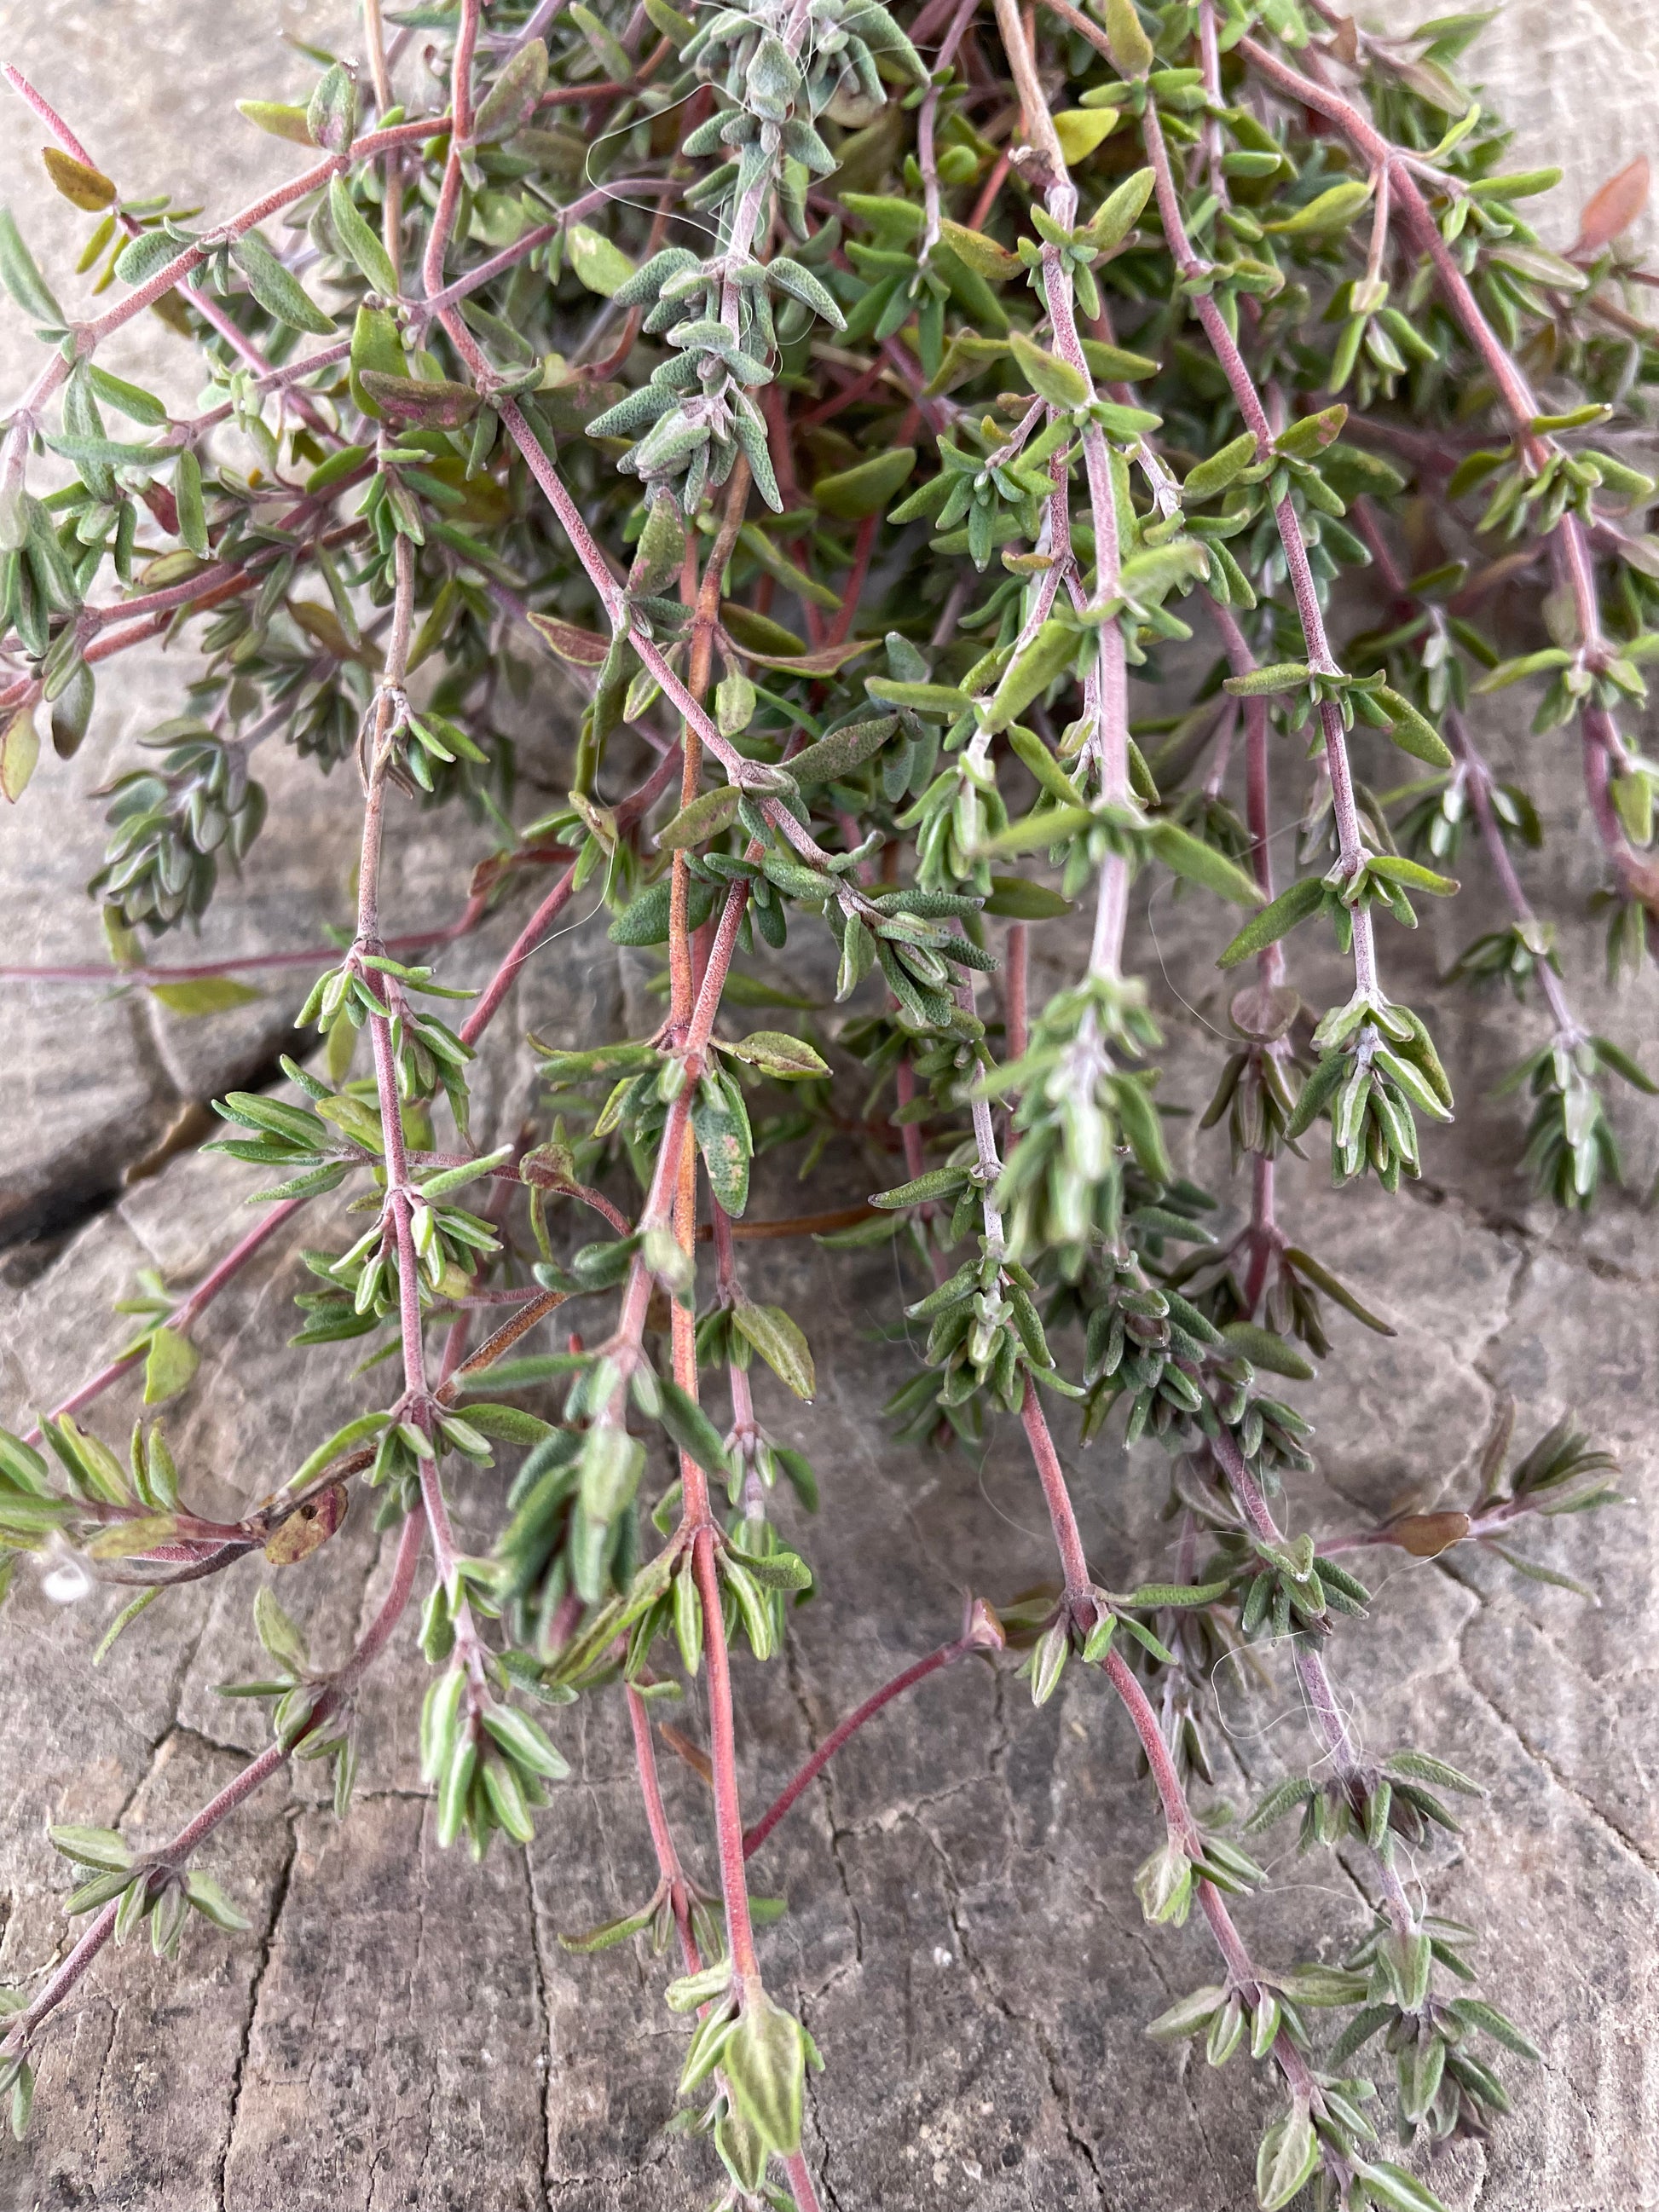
1177, 1594
1474, 2014
210, 1901
691, 1428
582, 648
724, 1145
602, 266
187, 497
91, 1465
1189, 856
1115, 364
525, 1743
1031, 671
1189, 2015
1291, 907
510, 101
22, 2099
1287, 2160
758, 635
1321, 1278
1615, 1057
1535, 1572
1262, 1347
508, 1424
938, 1182
842, 751
169, 1365
1391, 2185
1412, 732
1055, 381
776, 1054
1312, 433
865, 489
926, 698
124, 1540
129, 399
1333, 210
204, 994
613, 1931
360, 241
780, 1570
278, 117
1394, 868
611, 1464
23, 279
1276, 675
780, 1343
278, 292
1017, 898
1542, 663
123, 1620
1422, 1766
141, 257
1221, 469
764, 2061
1118, 214
332, 111
709, 815
91, 1847
281, 1638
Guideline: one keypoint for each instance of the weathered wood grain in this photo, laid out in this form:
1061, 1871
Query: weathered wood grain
401, 2030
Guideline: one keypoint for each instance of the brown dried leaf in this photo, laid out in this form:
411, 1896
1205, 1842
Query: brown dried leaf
307, 1530
1425, 1534
1264, 1013
1611, 208
683, 1747
583, 649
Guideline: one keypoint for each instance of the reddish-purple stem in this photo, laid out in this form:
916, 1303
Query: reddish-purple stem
945, 1656
53, 1991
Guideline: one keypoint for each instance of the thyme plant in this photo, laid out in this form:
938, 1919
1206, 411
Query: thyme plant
970, 467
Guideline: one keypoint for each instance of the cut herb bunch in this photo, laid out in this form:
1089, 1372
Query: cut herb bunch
856, 409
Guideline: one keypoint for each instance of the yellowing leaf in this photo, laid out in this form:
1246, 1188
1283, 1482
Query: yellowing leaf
204, 994
982, 254
1080, 130
603, 267
124, 1538
278, 118
86, 187
20, 748
1132, 49
583, 649
169, 1366
780, 1343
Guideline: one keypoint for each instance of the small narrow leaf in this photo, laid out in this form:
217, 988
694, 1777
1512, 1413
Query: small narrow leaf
780, 1343
86, 187
1052, 378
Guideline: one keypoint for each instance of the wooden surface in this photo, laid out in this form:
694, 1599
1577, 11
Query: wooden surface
401, 2030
